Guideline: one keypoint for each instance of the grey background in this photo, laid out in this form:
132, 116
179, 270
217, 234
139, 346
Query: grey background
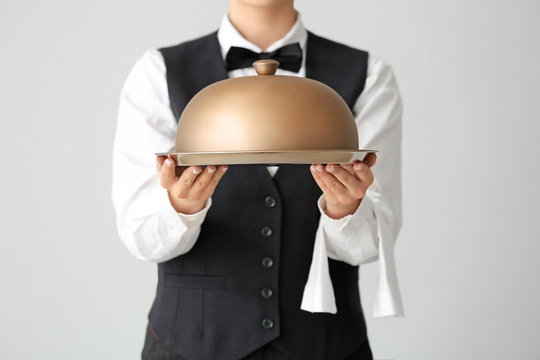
467, 254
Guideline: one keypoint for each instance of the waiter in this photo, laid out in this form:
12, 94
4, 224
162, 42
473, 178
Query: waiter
259, 262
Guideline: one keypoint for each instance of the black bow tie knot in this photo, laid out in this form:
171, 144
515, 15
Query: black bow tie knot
289, 57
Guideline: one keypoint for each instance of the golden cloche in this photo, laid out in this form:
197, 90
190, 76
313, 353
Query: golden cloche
266, 119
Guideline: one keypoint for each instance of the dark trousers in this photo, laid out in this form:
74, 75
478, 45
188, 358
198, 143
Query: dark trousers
154, 349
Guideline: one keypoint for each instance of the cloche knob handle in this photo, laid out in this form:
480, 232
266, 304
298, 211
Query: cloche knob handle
266, 67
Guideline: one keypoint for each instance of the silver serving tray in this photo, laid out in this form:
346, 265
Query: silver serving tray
269, 157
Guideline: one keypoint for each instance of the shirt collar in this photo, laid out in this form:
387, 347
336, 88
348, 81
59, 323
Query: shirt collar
228, 36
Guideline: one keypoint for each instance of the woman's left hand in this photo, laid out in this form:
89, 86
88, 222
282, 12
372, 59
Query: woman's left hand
344, 186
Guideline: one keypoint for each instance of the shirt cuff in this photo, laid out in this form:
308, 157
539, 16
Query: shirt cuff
194, 221
363, 212
318, 294
352, 238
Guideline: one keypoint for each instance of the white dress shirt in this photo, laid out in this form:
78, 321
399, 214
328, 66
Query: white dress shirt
152, 230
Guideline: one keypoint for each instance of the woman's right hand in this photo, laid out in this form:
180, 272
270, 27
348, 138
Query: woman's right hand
190, 189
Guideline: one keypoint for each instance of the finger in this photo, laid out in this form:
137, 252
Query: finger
370, 159
339, 190
364, 173
349, 188
167, 176
184, 183
209, 190
159, 162
201, 182
348, 180
349, 167
316, 171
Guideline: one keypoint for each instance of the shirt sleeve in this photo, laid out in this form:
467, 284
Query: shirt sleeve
370, 233
354, 238
147, 223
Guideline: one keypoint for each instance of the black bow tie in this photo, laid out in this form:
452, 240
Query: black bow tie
289, 57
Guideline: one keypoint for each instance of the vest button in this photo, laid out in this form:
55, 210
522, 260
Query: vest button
268, 324
270, 202
267, 262
266, 231
267, 293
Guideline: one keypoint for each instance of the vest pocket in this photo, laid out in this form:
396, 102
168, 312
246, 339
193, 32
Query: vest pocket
195, 282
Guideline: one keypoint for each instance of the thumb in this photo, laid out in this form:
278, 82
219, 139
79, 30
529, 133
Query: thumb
370, 159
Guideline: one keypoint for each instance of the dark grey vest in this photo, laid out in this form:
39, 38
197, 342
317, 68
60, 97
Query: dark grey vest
241, 285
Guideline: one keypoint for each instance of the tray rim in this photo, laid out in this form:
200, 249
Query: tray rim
294, 156
254, 152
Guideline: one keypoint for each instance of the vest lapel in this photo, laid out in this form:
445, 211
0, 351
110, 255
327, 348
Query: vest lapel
342, 68
191, 67
207, 65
